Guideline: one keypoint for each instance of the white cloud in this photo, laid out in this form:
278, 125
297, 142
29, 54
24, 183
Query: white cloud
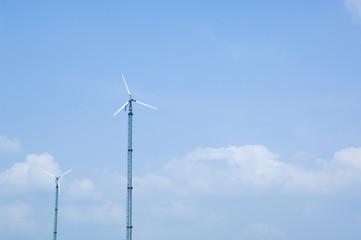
17, 216
87, 204
176, 192
28, 175
349, 159
113, 178
189, 191
152, 181
106, 213
7, 145
208, 170
172, 194
254, 167
354, 6
81, 189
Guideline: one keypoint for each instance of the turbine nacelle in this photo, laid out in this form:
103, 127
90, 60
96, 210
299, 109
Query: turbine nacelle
57, 178
131, 100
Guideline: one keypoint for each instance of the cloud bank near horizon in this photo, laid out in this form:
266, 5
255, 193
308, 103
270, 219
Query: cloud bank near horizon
244, 169
175, 192
205, 171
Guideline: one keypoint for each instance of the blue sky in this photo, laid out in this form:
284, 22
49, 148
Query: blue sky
256, 136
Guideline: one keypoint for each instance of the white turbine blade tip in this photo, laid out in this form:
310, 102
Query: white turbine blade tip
121, 108
146, 105
65, 173
126, 86
49, 174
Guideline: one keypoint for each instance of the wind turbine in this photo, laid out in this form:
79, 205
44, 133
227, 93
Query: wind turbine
130, 150
57, 192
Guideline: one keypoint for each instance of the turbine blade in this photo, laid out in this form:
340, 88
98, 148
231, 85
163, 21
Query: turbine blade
49, 174
126, 85
65, 173
121, 108
146, 104
58, 186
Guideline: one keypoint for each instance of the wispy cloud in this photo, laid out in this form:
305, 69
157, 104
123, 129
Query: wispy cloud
105, 213
17, 216
88, 204
82, 189
9, 145
354, 6
263, 231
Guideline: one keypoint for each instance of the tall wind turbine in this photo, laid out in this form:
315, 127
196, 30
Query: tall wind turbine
130, 150
57, 192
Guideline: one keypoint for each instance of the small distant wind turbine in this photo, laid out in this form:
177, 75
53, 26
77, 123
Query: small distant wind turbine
57, 192
130, 150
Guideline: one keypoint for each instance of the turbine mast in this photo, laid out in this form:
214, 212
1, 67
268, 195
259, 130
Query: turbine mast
129, 185
57, 192
56, 206
130, 151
